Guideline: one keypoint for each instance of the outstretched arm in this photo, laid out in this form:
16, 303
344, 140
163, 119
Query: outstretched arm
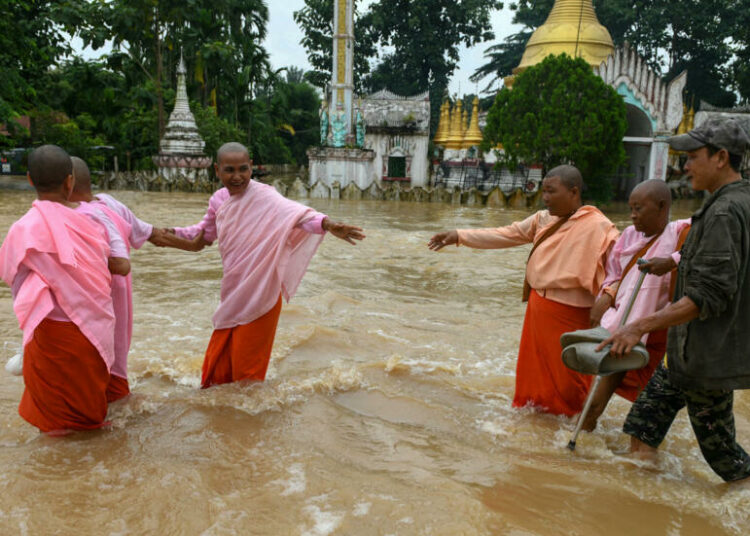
440, 240
350, 233
515, 234
167, 238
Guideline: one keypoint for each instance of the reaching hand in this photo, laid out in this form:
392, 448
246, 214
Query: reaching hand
440, 240
658, 265
350, 233
157, 237
198, 243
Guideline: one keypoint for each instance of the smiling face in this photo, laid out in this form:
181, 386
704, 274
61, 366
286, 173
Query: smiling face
234, 171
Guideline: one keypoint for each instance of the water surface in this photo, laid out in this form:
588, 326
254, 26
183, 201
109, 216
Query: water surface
386, 409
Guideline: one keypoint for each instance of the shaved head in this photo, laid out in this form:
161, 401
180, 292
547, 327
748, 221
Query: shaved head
656, 190
568, 175
649, 203
49, 166
232, 147
82, 175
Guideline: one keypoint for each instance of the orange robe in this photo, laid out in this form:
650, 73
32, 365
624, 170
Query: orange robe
242, 352
566, 272
65, 380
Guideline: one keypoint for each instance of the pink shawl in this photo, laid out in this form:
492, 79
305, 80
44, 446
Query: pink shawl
66, 254
122, 292
262, 252
654, 293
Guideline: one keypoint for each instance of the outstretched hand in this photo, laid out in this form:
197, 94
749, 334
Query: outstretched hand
440, 240
167, 238
350, 233
658, 265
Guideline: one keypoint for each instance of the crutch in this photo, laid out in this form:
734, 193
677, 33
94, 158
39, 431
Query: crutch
598, 379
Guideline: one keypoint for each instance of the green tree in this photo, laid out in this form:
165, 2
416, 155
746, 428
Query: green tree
741, 40
425, 37
671, 35
316, 22
31, 40
560, 112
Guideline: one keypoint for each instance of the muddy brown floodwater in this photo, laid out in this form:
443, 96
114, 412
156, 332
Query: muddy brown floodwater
386, 409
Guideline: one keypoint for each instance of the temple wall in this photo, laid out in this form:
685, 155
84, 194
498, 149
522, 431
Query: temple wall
299, 189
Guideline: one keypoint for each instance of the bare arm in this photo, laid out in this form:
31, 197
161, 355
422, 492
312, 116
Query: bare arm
165, 238
118, 265
680, 312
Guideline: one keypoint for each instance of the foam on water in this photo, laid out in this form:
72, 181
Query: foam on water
296, 483
324, 520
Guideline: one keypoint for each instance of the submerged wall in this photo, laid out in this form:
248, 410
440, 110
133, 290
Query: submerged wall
297, 189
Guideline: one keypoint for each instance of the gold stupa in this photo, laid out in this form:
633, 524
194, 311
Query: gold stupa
456, 133
473, 135
441, 135
571, 28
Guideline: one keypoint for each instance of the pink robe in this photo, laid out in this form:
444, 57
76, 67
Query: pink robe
137, 232
654, 293
122, 285
140, 231
264, 252
312, 223
63, 255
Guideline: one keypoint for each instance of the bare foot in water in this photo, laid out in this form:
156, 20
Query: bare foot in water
641, 451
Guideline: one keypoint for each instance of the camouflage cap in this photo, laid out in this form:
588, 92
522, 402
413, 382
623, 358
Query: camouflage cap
722, 133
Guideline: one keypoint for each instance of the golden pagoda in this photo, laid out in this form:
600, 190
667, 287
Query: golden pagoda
456, 133
571, 28
473, 136
439, 137
464, 126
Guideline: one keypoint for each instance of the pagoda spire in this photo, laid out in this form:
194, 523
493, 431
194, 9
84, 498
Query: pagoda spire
181, 135
456, 136
473, 135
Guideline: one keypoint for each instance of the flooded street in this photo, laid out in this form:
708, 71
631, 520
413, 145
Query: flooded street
386, 410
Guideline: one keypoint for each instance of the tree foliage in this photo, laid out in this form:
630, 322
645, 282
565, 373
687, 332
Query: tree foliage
122, 100
700, 36
316, 21
419, 40
560, 112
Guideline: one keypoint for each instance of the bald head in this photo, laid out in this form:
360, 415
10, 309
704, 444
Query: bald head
82, 175
49, 166
649, 203
568, 175
231, 148
656, 190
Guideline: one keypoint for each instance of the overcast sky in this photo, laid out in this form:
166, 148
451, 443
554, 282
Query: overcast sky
283, 41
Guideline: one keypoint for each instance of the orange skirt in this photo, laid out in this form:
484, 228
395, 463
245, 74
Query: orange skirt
66, 380
242, 352
542, 380
118, 388
635, 380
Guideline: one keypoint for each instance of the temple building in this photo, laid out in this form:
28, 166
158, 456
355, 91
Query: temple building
654, 108
181, 150
378, 139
